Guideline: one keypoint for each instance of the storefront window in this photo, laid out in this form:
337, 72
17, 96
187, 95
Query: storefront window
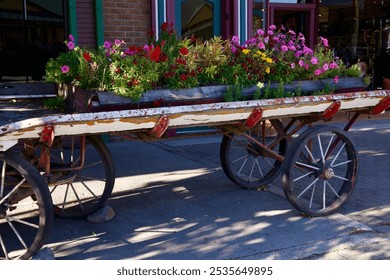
30, 32
258, 15
354, 29
199, 18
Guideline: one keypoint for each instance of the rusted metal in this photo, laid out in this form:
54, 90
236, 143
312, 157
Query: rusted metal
47, 138
160, 127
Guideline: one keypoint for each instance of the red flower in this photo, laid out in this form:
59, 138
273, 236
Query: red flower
155, 54
164, 26
183, 51
183, 77
181, 61
87, 57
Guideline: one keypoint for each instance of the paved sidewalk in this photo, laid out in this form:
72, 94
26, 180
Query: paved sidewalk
173, 201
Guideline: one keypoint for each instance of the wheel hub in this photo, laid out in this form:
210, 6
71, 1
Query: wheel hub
327, 173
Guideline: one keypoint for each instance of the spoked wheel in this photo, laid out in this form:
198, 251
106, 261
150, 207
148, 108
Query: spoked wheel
320, 171
26, 213
245, 162
80, 182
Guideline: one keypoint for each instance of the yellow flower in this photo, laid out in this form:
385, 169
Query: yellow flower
246, 51
260, 85
269, 60
267, 70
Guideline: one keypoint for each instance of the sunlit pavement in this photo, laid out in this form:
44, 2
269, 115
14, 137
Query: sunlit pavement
173, 201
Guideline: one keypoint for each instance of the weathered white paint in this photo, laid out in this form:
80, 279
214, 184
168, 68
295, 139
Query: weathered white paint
183, 116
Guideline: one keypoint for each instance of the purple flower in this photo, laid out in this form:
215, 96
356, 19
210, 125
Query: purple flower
235, 39
107, 45
298, 53
284, 48
272, 27
261, 46
70, 45
65, 69
270, 32
301, 63
292, 48
117, 42
276, 39
233, 48
260, 32
71, 38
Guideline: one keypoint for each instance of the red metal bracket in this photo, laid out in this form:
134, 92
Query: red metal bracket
331, 110
254, 118
381, 106
160, 127
47, 135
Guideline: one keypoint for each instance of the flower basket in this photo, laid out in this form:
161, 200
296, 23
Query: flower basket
81, 100
170, 71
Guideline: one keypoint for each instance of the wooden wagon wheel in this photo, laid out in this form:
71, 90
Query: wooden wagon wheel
26, 213
82, 174
245, 162
320, 171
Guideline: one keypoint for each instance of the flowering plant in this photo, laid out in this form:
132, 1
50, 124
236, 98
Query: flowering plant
169, 62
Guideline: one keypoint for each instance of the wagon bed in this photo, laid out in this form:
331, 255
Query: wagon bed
61, 152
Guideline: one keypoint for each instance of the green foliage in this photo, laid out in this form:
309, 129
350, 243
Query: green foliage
57, 103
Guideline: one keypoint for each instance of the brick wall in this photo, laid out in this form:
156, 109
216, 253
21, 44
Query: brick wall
128, 20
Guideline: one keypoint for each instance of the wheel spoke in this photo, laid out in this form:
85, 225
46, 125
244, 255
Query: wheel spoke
260, 170
310, 154
77, 197
312, 195
308, 166
341, 163
13, 190
308, 187
16, 232
341, 178
253, 167
2, 179
241, 158
303, 176
320, 146
12, 219
333, 190
338, 154
4, 248
324, 195
242, 166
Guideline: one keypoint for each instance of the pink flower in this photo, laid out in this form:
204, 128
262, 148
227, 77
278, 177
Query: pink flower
325, 67
270, 32
314, 60
292, 65
325, 41
317, 72
65, 69
301, 63
71, 38
107, 45
70, 45
284, 48
333, 65
117, 42
336, 79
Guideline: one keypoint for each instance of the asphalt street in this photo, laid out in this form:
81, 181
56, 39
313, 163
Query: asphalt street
173, 201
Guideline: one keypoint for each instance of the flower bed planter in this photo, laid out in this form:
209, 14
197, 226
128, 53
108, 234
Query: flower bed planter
79, 100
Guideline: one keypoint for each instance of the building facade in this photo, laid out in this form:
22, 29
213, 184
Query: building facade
31, 31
